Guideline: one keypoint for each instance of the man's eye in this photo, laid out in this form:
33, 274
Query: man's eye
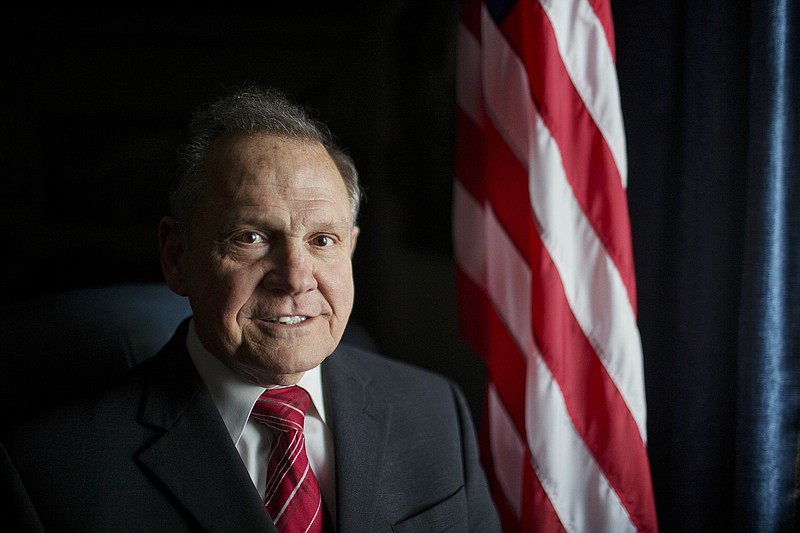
250, 237
323, 241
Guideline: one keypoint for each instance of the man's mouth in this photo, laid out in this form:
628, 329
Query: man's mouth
287, 319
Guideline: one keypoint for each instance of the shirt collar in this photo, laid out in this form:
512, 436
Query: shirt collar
234, 396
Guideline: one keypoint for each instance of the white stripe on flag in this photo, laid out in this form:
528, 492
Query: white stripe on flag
583, 47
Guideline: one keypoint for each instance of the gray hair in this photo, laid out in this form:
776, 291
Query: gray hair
250, 110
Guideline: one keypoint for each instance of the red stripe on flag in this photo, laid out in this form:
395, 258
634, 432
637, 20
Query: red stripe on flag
473, 314
586, 158
471, 162
508, 192
471, 17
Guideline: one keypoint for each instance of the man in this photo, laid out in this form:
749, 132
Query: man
260, 240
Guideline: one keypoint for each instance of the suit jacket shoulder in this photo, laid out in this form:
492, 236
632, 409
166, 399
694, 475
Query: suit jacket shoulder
405, 446
149, 452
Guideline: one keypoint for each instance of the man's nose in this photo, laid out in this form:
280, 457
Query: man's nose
290, 269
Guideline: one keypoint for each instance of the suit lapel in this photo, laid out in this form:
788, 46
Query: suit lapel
194, 457
359, 420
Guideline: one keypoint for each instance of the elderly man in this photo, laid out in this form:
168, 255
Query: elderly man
253, 417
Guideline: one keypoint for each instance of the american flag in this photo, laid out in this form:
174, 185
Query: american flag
544, 266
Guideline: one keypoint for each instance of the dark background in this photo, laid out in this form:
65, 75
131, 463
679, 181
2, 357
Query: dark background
91, 106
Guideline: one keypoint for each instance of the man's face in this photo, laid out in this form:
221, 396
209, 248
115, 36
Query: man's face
268, 266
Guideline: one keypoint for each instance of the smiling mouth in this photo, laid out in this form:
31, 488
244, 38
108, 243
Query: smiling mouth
287, 319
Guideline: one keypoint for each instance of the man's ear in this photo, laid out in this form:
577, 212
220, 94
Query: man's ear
353, 238
173, 255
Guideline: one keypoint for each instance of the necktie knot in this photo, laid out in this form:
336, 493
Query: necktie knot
282, 409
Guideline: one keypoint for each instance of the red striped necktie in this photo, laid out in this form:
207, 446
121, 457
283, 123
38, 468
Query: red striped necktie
292, 497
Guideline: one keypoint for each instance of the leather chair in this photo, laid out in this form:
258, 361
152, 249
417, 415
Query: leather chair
59, 345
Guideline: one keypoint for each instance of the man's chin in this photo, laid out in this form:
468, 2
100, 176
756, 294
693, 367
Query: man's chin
278, 367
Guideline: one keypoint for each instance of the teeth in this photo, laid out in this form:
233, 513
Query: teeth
287, 319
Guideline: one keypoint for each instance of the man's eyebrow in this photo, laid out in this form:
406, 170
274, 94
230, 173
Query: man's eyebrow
326, 220
342, 225
256, 221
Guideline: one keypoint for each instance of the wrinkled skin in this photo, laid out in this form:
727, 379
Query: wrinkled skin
268, 267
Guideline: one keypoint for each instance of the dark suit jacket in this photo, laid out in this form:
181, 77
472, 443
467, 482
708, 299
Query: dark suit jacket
151, 453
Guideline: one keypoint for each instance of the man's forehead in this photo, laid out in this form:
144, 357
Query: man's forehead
279, 213
273, 160
262, 142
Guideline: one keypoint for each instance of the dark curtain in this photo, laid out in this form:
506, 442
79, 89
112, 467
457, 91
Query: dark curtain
769, 326
710, 96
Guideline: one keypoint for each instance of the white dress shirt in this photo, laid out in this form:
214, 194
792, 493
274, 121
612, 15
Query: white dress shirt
235, 397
